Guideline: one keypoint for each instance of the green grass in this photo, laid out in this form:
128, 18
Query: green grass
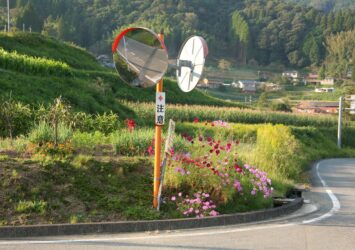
97, 187
33, 44
76, 192
89, 87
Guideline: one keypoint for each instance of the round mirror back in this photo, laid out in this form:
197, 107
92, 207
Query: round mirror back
190, 63
140, 57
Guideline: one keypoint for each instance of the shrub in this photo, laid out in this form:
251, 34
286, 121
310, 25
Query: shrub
135, 143
15, 118
43, 133
31, 206
89, 140
281, 106
105, 123
277, 150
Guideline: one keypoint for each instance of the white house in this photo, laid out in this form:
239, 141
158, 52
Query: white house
247, 85
327, 81
291, 74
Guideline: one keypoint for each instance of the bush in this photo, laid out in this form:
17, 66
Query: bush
134, 143
105, 123
31, 206
15, 118
277, 151
43, 133
281, 106
89, 140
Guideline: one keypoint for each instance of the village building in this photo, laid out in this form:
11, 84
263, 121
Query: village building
317, 107
312, 78
248, 86
291, 74
327, 81
209, 83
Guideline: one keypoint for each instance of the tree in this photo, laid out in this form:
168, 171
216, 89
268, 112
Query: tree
281, 106
50, 27
322, 72
240, 32
263, 101
30, 18
341, 52
224, 64
15, 116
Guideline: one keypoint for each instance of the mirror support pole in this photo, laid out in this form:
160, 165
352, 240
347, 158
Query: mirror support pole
157, 148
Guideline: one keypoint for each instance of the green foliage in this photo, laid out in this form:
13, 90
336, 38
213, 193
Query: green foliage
341, 52
86, 140
32, 65
43, 133
132, 143
263, 101
277, 150
34, 45
189, 113
15, 117
31, 207
265, 31
281, 106
105, 123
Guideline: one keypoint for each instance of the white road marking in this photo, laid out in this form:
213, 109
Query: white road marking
335, 208
111, 239
334, 199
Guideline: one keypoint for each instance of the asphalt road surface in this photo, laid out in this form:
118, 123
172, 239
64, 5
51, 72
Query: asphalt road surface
327, 222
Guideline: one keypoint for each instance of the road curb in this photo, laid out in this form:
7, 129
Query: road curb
143, 226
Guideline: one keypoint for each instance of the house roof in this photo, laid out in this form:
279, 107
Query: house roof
312, 105
247, 81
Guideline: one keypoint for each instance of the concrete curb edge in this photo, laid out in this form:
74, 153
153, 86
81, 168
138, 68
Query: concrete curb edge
9, 232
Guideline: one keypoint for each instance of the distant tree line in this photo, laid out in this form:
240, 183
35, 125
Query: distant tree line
256, 31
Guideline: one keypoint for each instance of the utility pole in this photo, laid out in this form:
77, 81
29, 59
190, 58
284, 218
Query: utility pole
339, 120
8, 15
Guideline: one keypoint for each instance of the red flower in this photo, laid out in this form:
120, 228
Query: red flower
238, 168
217, 152
150, 150
130, 124
195, 120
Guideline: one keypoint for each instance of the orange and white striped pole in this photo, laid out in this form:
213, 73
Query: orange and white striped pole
157, 155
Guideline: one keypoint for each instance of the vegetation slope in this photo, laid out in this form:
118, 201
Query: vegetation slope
88, 86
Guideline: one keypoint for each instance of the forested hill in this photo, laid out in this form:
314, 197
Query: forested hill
254, 31
327, 5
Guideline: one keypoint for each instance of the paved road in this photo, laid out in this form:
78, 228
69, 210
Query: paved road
331, 226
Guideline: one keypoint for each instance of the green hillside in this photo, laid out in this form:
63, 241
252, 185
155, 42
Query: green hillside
33, 75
